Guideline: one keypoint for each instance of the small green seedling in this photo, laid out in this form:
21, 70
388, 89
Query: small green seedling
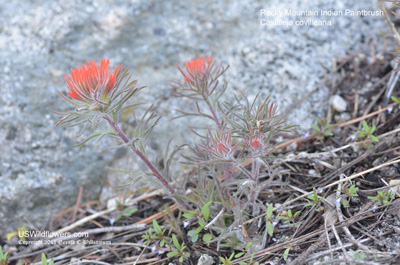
367, 133
251, 262
3, 257
290, 219
157, 237
358, 255
316, 200
286, 253
243, 251
323, 129
201, 219
346, 195
121, 210
179, 250
44, 260
383, 198
227, 261
270, 225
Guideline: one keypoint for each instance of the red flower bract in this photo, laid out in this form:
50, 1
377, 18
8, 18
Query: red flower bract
196, 68
222, 144
91, 84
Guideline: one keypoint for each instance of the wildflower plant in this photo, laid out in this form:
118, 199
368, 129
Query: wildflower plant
121, 210
346, 194
382, 198
231, 162
290, 218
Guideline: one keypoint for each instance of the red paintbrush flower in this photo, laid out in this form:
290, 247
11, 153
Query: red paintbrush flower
196, 69
256, 143
91, 84
221, 144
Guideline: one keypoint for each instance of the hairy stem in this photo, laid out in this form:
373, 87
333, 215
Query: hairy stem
156, 173
214, 113
255, 172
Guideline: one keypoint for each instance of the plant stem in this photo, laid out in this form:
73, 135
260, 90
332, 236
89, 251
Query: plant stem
156, 173
214, 113
254, 181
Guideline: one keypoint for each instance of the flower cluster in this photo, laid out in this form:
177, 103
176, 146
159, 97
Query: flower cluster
256, 143
221, 144
197, 69
93, 85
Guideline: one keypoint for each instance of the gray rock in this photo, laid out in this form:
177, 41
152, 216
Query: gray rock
205, 259
338, 103
41, 40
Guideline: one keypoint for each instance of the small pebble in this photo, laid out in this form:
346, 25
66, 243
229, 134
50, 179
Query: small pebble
205, 259
338, 103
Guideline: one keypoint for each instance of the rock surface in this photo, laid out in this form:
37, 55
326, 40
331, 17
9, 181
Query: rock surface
41, 40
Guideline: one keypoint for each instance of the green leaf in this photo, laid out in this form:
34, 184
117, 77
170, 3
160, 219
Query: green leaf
176, 242
315, 127
96, 134
207, 238
172, 254
239, 255
129, 212
270, 229
289, 213
116, 219
205, 212
248, 245
374, 139
157, 228
269, 211
372, 130
328, 133
345, 203
198, 230
181, 259
193, 236
365, 126
44, 259
286, 254
373, 198
188, 216
297, 213
395, 99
